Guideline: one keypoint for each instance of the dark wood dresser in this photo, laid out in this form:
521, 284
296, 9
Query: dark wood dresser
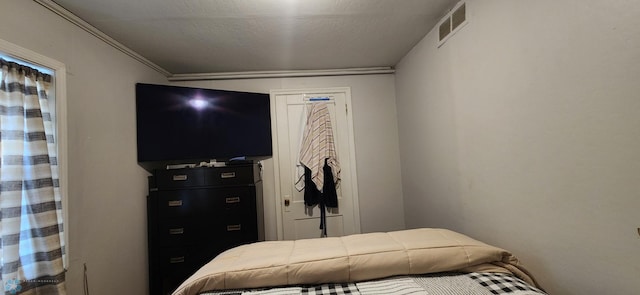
196, 213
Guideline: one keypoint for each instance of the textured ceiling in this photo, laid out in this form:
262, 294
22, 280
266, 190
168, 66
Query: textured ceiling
213, 36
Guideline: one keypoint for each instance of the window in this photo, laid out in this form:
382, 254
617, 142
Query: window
57, 96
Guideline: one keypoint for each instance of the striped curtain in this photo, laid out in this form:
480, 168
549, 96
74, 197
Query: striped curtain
31, 241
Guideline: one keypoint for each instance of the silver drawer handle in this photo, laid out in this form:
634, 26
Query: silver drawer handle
177, 203
227, 175
179, 259
234, 227
232, 200
180, 177
176, 231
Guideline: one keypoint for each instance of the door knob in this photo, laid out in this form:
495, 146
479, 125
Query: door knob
287, 203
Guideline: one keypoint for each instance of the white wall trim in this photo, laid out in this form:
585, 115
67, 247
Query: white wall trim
72, 18
60, 80
281, 74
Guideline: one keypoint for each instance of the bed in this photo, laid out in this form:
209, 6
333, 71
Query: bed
416, 261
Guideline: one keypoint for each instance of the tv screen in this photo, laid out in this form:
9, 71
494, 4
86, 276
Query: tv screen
190, 125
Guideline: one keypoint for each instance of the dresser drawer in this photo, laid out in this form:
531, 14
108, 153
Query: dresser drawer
178, 263
178, 258
180, 232
232, 175
185, 203
236, 229
203, 202
238, 238
239, 198
179, 178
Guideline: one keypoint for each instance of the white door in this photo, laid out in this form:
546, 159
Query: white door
295, 221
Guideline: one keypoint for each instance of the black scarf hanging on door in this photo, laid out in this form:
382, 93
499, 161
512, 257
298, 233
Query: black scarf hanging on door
327, 198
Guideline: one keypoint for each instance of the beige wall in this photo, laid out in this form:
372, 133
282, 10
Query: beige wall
107, 189
376, 144
523, 130
107, 207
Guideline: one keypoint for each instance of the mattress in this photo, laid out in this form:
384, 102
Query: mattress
352, 259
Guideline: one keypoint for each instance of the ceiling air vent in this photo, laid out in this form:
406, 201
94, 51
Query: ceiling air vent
445, 29
459, 16
455, 19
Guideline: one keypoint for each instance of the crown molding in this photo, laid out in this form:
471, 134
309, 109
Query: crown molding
72, 18
281, 74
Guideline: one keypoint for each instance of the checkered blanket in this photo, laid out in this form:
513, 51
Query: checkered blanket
433, 284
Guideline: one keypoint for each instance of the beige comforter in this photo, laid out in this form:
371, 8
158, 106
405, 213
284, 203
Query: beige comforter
350, 258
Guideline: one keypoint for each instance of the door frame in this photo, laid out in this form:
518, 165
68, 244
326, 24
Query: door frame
276, 157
